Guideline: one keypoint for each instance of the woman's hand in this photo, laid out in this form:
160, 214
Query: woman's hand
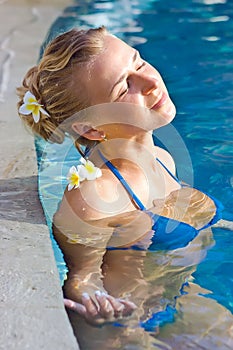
102, 310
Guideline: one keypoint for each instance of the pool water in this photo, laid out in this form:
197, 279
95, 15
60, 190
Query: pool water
191, 44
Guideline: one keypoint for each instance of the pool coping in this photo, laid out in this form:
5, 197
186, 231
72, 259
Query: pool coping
32, 311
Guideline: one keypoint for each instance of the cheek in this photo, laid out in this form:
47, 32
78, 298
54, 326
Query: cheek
96, 96
134, 98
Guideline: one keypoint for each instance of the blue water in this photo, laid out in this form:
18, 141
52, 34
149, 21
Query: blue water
191, 44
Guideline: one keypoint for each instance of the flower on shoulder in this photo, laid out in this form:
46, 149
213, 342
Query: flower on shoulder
85, 171
74, 178
31, 106
88, 170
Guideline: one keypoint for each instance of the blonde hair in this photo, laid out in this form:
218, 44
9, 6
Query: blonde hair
52, 84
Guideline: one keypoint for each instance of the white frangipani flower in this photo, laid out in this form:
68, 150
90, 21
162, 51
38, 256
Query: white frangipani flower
31, 106
74, 178
85, 171
88, 170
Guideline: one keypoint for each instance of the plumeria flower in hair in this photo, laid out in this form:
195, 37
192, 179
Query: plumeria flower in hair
88, 170
74, 178
31, 106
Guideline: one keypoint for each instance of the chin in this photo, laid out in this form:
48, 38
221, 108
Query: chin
168, 113
171, 112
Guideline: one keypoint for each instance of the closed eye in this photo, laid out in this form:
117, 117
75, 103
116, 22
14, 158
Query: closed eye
124, 92
137, 69
141, 65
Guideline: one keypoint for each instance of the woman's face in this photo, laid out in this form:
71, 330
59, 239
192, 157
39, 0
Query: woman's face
119, 74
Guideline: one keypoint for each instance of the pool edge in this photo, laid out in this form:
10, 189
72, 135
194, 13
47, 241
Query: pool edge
32, 311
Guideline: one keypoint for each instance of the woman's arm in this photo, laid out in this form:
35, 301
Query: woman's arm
83, 289
83, 237
84, 267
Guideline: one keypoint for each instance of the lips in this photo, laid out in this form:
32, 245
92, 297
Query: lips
161, 101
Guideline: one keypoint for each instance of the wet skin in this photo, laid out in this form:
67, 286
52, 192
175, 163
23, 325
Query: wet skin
123, 76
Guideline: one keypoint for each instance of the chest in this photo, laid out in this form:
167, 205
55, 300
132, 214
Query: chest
124, 193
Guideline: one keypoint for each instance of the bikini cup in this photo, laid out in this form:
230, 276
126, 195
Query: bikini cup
190, 206
180, 217
184, 214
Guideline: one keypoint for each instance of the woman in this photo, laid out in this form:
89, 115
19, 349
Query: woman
124, 198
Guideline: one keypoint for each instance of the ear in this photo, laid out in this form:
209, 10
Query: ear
87, 131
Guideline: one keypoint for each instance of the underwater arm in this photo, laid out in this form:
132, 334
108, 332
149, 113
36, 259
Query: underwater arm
83, 290
83, 236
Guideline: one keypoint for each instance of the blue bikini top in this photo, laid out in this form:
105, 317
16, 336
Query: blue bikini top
168, 233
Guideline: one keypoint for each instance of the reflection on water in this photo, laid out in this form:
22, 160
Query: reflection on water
191, 44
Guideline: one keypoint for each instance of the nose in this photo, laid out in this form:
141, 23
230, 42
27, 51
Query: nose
150, 84
147, 83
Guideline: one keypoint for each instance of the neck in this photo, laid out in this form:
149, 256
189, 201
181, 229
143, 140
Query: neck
120, 151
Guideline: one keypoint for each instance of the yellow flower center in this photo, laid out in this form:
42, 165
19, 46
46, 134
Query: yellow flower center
31, 100
33, 108
74, 179
89, 168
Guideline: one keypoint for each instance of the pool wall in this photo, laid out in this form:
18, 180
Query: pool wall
32, 312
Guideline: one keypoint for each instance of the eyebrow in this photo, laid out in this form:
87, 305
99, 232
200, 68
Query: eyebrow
123, 76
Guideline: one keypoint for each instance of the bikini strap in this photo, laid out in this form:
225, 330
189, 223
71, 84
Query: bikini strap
115, 171
126, 185
169, 172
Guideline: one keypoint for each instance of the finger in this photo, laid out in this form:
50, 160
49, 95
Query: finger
116, 304
76, 307
82, 311
89, 304
129, 307
105, 308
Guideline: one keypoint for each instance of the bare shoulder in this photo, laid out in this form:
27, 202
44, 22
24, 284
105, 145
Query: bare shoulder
93, 200
166, 158
86, 217
78, 217
83, 202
